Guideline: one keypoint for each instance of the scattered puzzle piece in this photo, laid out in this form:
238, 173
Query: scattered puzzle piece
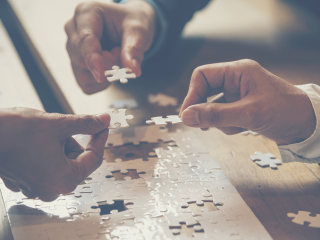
122, 74
162, 100
303, 216
265, 159
124, 103
172, 173
163, 121
119, 118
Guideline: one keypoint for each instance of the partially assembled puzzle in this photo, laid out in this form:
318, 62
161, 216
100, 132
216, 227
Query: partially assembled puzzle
172, 171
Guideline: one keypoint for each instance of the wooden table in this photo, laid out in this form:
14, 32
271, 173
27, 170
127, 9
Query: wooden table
280, 37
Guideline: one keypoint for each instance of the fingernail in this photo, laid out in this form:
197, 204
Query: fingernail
96, 74
104, 117
190, 117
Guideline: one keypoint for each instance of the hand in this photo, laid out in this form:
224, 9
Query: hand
253, 99
38, 155
101, 35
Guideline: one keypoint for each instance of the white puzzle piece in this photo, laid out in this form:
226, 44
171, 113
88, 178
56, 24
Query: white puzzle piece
303, 216
118, 118
163, 121
178, 171
122, 74
124, 103
265, 159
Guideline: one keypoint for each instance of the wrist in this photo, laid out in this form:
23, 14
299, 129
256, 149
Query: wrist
308, 121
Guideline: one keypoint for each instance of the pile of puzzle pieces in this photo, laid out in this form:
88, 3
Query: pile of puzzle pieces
157, 203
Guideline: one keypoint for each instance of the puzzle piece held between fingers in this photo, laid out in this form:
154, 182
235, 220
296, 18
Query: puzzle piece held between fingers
303, 216
122, 74
163, 121
265, 159
119, 118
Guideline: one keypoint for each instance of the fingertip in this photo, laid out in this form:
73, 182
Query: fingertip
96, 74
190, 117
136, 67
104, 117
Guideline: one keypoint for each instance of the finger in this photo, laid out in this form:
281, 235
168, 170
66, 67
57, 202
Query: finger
87, 82
83, 124
72, 148
89, 25
92, 157
10, 185
213, 79
134, 44
217, 115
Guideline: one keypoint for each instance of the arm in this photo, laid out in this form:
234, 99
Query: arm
255, 99
101, 35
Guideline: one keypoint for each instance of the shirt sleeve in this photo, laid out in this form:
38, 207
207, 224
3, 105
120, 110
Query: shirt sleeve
307, 151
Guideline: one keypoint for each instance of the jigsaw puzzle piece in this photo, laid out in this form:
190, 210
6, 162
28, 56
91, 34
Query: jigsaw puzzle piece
83, 204
215, 225
118, 118
82, 188
125, 103
102, 174
303, 216
265, 159
194, 192
175, 220
173, 119
106, 192
122, 74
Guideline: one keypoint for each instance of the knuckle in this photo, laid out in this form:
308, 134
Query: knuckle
248, 64
197, 72
67, 26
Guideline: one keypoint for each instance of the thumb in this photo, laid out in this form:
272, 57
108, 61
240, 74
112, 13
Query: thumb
134, 44
92, 157
85, 124
216, 115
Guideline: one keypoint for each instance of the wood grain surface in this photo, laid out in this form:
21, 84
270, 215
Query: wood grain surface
282, 38
16, 90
